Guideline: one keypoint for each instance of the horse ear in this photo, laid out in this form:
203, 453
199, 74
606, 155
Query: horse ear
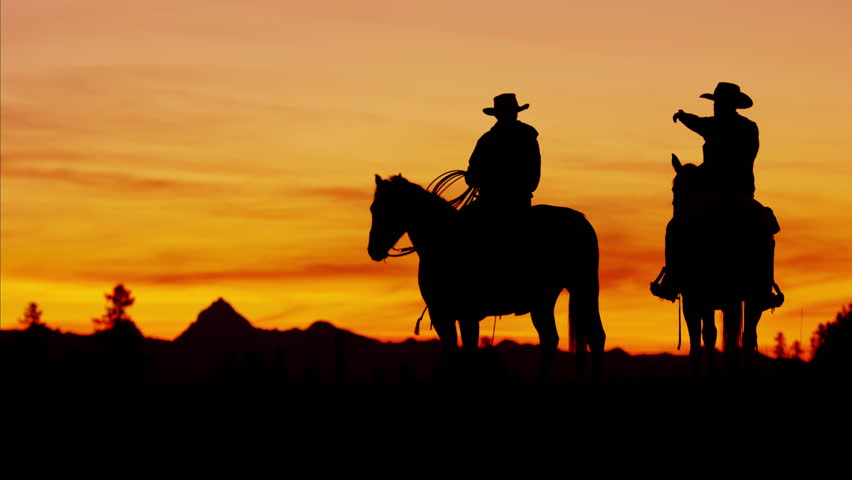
378, 179
676, 163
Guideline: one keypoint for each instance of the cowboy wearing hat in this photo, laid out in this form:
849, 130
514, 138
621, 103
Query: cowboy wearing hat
506, 162
506, 167
730, 147
730, 141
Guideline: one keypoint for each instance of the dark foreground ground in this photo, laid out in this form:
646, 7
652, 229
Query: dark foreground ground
249, 378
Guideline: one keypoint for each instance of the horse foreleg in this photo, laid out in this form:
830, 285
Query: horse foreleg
732, 324
709, 335
470, 348
752, 317
469, 335
692, 315
448, 366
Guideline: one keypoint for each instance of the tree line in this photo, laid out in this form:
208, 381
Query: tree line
831, 342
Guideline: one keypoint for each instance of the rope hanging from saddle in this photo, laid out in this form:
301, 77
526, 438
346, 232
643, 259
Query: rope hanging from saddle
438, 186
446, 180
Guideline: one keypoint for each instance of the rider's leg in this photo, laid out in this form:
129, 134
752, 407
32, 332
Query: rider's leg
671, 283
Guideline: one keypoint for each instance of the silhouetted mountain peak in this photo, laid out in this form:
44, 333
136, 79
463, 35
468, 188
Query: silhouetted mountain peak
321, 326
218, 321
618, 351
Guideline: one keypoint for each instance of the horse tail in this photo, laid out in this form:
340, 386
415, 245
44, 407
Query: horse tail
585, 329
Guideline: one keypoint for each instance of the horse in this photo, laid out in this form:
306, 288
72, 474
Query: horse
565, 257
722, 247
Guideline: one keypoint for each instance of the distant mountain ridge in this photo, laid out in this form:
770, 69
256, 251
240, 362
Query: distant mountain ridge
221, 347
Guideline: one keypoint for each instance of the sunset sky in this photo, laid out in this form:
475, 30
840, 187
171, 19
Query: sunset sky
202, 149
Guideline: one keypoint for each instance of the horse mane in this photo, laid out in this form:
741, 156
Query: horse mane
432, 197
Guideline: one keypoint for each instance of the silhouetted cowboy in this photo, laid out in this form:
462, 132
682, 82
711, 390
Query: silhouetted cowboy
506, 167
506, 162
730, 141
730, 148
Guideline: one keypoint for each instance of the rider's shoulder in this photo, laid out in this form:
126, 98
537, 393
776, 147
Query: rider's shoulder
526, 128
745, 120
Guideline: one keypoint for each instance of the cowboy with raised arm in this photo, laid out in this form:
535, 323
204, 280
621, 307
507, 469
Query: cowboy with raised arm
730, 148
730, 141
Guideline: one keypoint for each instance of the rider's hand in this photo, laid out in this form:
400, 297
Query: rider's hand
674, 117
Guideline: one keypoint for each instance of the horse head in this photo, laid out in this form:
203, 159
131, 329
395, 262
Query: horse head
686, 186
388, 214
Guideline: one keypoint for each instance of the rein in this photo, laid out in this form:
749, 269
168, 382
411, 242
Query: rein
679, 321
402, 251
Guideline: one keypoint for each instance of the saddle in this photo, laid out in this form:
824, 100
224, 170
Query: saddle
724, 249
500, 254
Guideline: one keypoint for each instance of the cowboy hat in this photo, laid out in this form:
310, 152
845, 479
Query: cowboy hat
729, 93
505, 103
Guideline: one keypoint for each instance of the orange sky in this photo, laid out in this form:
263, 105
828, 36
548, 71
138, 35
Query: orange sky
201, 149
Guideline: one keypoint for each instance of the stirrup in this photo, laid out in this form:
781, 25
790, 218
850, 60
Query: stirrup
664, 290
774, 300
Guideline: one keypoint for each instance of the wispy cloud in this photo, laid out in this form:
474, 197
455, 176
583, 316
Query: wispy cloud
345, 195
113, 181
329, 272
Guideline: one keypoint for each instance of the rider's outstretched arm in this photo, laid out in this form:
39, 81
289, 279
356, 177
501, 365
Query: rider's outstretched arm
693, 122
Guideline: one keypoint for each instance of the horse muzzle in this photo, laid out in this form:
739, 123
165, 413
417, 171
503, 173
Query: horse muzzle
376, 254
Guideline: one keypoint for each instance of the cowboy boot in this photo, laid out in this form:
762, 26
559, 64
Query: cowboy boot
666, 285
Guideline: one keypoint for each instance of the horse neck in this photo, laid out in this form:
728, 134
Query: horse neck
690, 193
430, 222
680, 209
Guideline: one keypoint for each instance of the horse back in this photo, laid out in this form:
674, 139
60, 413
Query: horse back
563, 236
550, 220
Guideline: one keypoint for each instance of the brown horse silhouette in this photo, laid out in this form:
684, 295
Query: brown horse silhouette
565, 257
721, 246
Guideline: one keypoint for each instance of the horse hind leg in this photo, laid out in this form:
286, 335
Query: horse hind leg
693, 315
586, 329
544, 322
709, 334
752, 317
732, 328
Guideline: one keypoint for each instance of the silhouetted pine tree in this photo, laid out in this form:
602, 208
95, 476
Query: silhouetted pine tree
780, 346
32, 316
832, 343
119, 300
796, 350
123, 344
